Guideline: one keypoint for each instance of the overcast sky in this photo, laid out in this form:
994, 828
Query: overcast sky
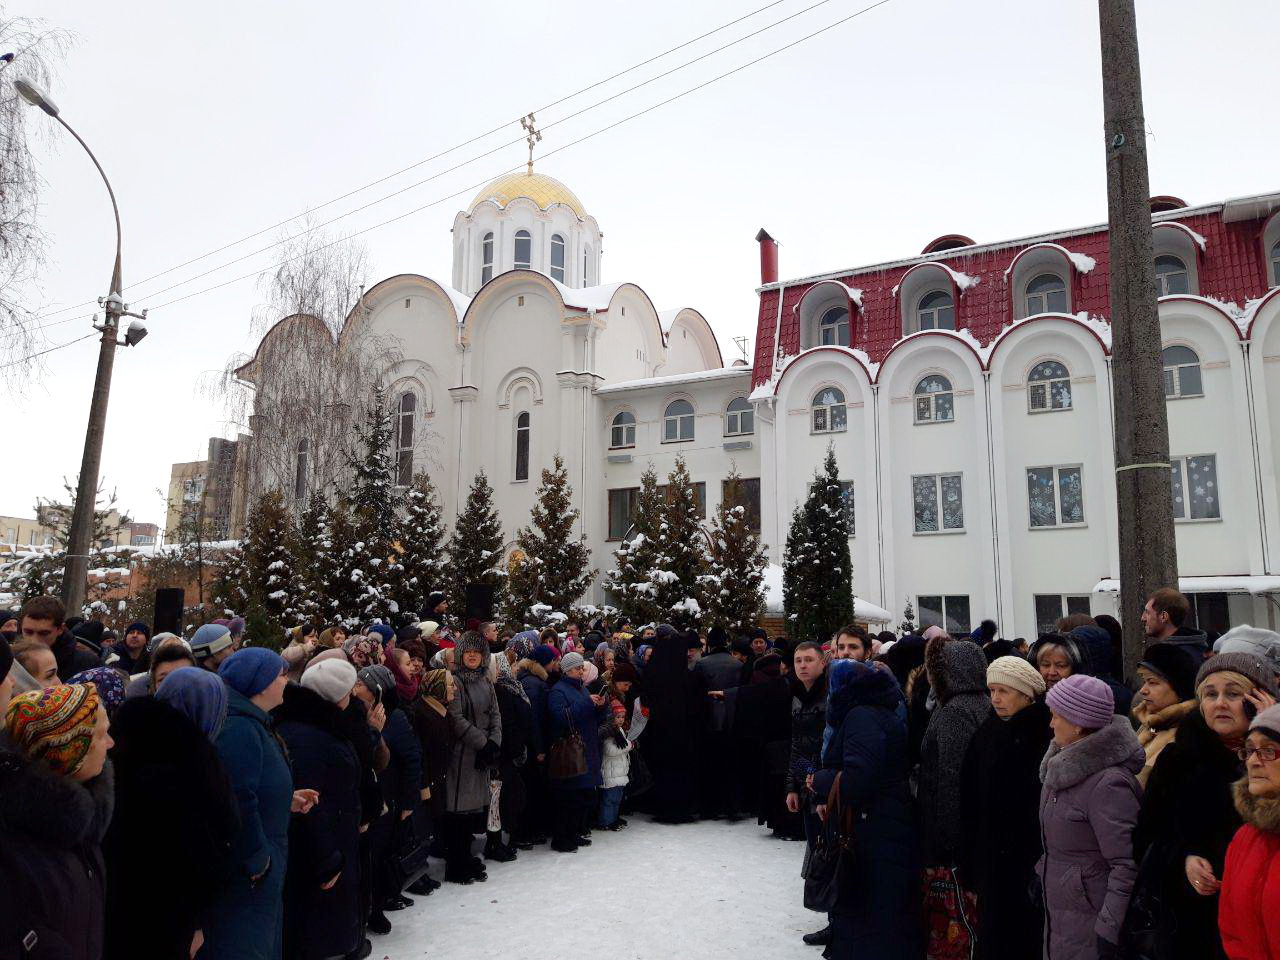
920, 118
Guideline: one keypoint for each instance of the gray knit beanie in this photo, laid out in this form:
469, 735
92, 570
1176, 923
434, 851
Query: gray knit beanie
571, 660
1259, 671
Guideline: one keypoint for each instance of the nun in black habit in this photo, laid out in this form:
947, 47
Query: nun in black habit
674, 703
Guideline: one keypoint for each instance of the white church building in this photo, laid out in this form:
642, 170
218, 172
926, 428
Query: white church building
966, 392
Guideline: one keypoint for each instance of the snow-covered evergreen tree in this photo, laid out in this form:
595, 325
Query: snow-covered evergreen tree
419, 540
269, 567
796, 568
636, 556
475, 549
908, 624
229, 597
339, 569
371, 496
310, 545
552, 571
820, 599
679, 577
735, 582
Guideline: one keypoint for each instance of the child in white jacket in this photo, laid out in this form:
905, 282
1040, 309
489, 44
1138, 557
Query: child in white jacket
615, 766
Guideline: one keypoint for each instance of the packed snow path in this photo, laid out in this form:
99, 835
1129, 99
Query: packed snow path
648, 892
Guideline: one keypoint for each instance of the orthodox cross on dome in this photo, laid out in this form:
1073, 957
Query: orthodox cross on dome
534, 135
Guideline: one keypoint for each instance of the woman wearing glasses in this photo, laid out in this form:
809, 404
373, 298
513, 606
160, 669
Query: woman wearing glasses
1249, 912
1188, 814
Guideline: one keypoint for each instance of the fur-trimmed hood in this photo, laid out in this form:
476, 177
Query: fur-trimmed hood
1115, 745
531, 666
954, 667
38, 803
1260, 812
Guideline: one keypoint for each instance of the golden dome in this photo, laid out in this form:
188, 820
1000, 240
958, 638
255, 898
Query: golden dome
538, 187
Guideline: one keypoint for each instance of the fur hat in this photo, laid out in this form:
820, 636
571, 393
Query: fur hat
1018, 674
471, 642
1083, 700
331, 679
569, 661
1258, 671
1174, 665
55, 725
624, 672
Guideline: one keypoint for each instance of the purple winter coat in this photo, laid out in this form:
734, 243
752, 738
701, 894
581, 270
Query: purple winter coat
1088, 808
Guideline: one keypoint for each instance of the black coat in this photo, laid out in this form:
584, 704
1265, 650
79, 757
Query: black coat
401, 781
533, 678
1187, 810
1000, 803
517, 724
674, 700
73, 656
50, 862
808, 719
324, 842
354, 725
170, 839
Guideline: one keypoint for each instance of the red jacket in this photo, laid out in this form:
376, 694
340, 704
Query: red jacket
1249, 904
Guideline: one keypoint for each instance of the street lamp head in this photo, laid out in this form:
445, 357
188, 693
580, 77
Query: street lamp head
134, 333
29, 91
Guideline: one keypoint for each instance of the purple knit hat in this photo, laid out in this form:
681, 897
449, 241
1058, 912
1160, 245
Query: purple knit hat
1083, 700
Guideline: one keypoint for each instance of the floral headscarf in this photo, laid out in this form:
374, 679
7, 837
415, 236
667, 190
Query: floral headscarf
508, 679
110, 684
362, 651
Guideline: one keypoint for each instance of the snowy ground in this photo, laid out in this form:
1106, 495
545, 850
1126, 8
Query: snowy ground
648, 892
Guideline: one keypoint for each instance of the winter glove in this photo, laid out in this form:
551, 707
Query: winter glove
1107, 950
487, 756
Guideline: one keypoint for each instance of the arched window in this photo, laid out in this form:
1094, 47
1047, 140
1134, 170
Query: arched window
1048, 387
557, 258
406, 409
1047, 293
622, 433
739, 418
301, 470
934, 400
486, 258
829, 413
677, 422
1275, 265
936, 312
833, 328
522, 446
586, 264
1171, 276
524, 250
1181, 372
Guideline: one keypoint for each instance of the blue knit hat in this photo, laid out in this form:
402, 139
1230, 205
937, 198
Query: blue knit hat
210, 639
543, 654
199, 695
383, 631
250, 671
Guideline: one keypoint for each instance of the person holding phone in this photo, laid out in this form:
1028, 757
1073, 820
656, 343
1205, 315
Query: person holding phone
1188, 815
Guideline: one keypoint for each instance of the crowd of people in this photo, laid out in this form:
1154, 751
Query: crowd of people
957, 796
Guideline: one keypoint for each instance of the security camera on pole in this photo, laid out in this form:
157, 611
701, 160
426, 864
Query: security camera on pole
76, 572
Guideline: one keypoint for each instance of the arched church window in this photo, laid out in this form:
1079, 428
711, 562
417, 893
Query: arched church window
935, 402
1047, 293
524, 250
677, 422
406, 408
937, 311
522, 446
586, 264
622, 432
1171, 276
1049, 387
829, 413
834, 327
557, 258
301, 469
486, 258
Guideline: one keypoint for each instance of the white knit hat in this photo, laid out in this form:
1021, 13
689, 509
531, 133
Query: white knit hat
1018, 674
332, 679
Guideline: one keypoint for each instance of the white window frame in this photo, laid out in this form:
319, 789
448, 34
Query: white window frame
932, 313
827, 411
1048, 389
968, 598
1162, 279
1058, 523
522, 236
1176, 370
835, 328
1043, 295
937, 479
733, 416
557, 271
522, 427
1181, 463
627, 428
486, 258
405, 418
917, 395
680, 420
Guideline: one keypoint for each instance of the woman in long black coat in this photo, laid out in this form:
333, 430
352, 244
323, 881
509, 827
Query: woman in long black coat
873, 917
673, 700
170, 838
1000, 803
322, 885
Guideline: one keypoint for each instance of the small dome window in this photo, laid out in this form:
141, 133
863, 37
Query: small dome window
557, 258
523, 250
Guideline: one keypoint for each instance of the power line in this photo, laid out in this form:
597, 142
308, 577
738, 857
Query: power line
443, 153
596, 133
458, 166
14, 363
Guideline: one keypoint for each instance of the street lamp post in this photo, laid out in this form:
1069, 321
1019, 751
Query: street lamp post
75, 573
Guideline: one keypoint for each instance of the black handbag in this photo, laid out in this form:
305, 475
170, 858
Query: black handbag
831, 857
409, 859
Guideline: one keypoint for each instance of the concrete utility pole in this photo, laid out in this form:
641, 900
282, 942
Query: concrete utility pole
1148, 551
75, 574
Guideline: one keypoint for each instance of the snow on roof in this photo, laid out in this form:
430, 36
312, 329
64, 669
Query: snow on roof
1185, 229
718, 373
587, 298
667, 318
460, 300
862, 609
1233, 584
1081, 261
962, 280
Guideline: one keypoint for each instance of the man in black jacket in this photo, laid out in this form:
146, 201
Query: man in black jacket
43, 620
808, 718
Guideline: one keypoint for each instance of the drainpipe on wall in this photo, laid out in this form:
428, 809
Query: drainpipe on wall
991, 483
1257, 458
